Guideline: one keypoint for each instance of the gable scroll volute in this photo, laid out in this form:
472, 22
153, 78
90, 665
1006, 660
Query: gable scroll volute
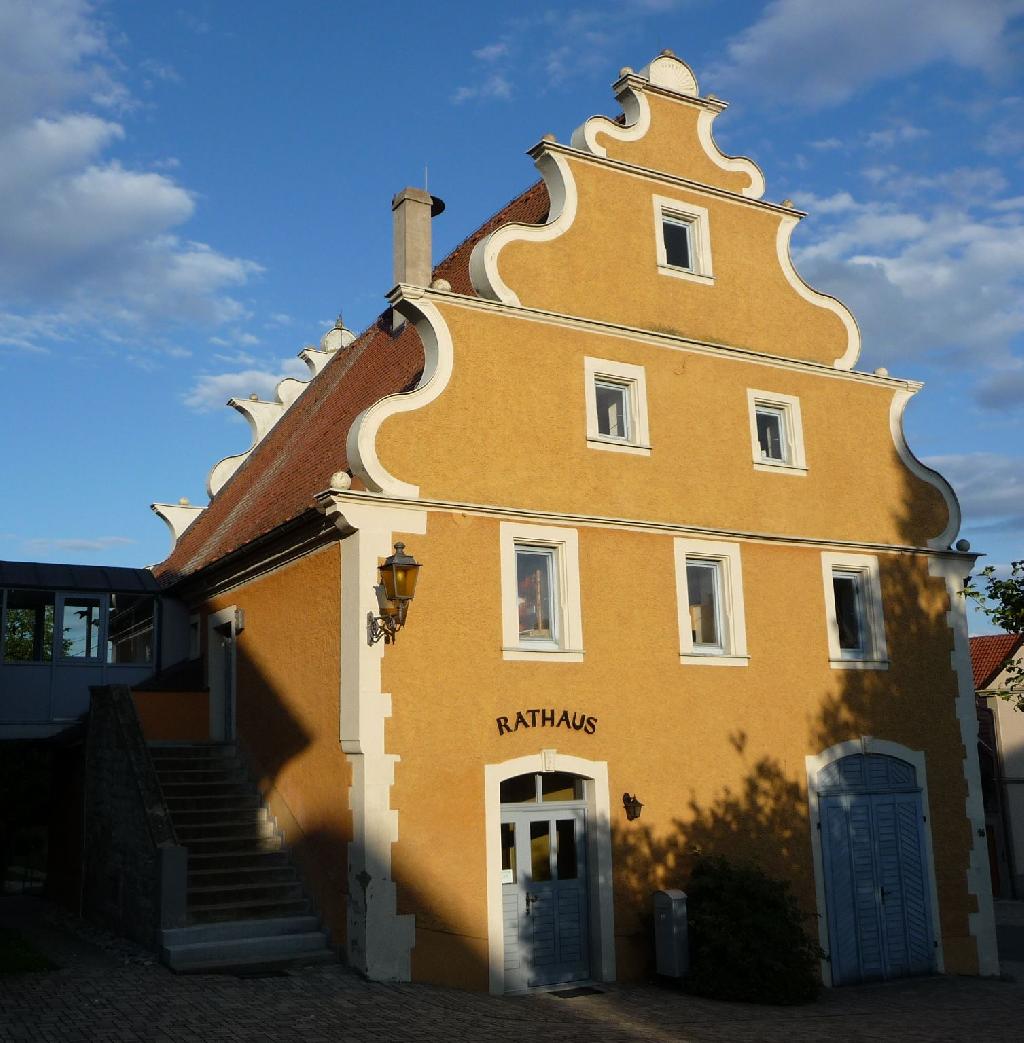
668, 128
601, 255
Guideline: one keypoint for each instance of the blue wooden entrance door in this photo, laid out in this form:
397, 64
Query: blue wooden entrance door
544, 896
876, 880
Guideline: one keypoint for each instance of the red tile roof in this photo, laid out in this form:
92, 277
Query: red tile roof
296, 459
989, 653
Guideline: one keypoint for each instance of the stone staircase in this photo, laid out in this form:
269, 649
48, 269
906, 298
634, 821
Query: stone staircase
246, 904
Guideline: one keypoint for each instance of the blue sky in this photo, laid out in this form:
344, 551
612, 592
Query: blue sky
190, 192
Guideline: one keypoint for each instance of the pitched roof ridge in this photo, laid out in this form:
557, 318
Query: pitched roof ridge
277, 480
989, 654
488, 226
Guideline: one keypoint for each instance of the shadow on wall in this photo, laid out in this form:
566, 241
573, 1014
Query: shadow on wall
765, 819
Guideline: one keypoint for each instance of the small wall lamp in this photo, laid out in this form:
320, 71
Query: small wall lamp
632, 805
397, 588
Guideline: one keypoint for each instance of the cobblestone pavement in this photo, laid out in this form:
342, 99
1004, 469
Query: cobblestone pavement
110, 993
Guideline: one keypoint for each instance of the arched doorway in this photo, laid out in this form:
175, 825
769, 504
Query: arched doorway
873, 861
544, 880
549, 894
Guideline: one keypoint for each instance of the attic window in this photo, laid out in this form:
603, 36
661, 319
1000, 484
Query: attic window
676, 234
682, 240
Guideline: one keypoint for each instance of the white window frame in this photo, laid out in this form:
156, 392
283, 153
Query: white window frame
568, 622
793, 431
732, 617
634, 378
874, 655
696, 217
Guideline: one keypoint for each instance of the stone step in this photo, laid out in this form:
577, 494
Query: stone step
243, 828
184, 817
194, 763
198, 801
220, 845
244, 893
230, 861
272, 950
202, 776
215, 912
241, 874
192, 751
218, 932
205, 789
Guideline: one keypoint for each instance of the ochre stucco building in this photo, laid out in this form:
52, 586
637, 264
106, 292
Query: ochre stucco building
674, 546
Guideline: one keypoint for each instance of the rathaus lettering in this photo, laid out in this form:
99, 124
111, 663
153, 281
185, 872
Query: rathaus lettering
578, 722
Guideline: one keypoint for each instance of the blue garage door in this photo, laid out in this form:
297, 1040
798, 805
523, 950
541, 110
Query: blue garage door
873, 853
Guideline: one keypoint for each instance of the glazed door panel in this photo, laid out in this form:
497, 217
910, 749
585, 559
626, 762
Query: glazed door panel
544, 897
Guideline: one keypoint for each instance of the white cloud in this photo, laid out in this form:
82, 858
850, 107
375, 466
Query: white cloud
557, 44
817, 54
212, 390
493, 86
927, 275
50, 51
75, 543
82, 237
490, 52
898, 134
990, 487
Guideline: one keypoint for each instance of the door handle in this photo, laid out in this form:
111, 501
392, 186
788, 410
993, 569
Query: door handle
530, 899
882, 890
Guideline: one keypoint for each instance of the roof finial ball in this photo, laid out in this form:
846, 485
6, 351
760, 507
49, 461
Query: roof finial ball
254, 397
668, 53
963, 546
626, 70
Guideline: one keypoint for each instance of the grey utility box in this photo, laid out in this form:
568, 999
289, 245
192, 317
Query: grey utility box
671, 942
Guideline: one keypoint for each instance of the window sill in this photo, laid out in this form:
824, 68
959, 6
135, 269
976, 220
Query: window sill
779, 468
859, 664
712, 659
615, 446
541, 655
686, 273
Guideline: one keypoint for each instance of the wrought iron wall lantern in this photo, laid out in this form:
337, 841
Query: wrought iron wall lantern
632, 805
397, 588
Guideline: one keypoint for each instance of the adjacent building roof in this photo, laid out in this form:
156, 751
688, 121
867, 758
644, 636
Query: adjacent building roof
988, 655
45, 576
277, 482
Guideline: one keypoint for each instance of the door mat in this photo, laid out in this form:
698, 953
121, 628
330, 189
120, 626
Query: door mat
580, 990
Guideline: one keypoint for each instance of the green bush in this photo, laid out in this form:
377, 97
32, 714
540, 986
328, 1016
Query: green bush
747, 937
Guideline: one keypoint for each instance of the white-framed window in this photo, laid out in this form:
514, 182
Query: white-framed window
616, 398
682, 239
776, 432
709, 593
853, 612
540, 593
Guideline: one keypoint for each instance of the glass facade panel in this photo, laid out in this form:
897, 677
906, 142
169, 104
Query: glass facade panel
28, 629
540, 851
676, 236
847, 590
613, 419
80, 628
130, 629
508, 853
535, 578
565, 860
703, 586
520, 790
557, 785
771, 433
